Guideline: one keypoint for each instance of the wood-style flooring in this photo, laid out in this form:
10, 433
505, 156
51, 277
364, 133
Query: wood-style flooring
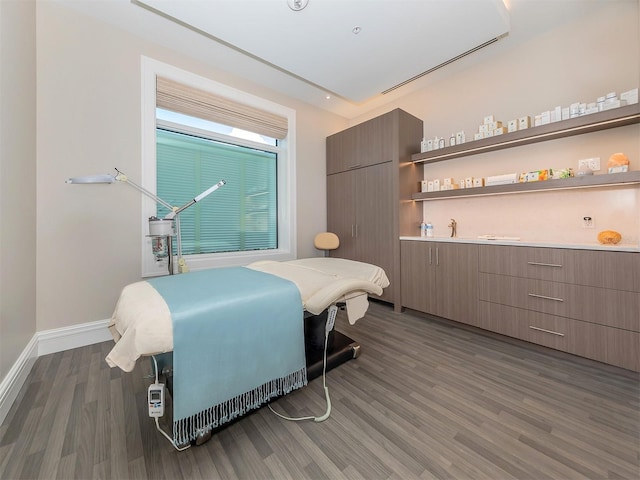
425, 399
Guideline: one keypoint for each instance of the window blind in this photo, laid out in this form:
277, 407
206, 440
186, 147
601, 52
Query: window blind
241, 216
181, 98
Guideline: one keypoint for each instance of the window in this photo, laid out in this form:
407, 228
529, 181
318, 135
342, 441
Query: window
186, 150
240, 217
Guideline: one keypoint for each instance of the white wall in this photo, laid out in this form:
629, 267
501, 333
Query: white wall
595, 51
17, 180
89, 122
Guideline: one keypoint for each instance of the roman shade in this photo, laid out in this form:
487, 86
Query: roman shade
177, 97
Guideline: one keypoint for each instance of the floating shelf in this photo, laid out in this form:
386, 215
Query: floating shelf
587, 181
617, 117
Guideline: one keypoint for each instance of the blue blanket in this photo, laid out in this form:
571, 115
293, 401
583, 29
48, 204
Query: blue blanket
238, 341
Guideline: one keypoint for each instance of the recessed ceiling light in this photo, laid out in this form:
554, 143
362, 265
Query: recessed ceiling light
356, 30
328, 97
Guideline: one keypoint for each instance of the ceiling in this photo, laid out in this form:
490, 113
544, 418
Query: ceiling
313, 53
353, 49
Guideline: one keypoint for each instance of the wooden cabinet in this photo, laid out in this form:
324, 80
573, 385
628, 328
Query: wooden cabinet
370, 179
440, 278
585, 302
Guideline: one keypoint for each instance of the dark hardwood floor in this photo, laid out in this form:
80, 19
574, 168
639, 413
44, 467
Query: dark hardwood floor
426, 399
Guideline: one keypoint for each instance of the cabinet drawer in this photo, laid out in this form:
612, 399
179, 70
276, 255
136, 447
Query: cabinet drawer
614, 308
598, 342
597, 268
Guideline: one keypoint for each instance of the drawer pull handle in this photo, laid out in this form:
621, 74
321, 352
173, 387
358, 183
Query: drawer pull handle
546, 331
545, 264
545, 297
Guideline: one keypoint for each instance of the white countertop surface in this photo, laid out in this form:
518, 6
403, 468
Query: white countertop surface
621, 247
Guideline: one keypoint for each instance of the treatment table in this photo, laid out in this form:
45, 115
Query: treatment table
141, 324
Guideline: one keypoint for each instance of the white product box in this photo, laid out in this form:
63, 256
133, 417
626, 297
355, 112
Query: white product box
608, 105
478, 136
501, 179
619, 169
592, 108
468, 182
499, 131
484, 128
545, 118
478, 182
630, 96
436, 185
448, 181
495, 125
489, 119
574, 110
524, 122
459, 139
556, 114
537, 120
429, 145
430, 186
512, 126
424, 186
566, 113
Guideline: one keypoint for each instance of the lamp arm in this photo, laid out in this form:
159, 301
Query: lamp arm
204, 194
121, 177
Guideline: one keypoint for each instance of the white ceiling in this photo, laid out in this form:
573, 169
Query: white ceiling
353, 49
526, 19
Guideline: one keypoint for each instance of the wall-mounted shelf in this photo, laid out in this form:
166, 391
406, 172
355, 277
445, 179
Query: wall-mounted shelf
587, 181
613, 118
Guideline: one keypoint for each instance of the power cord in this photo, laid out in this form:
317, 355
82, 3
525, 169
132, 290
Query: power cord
173, 444
331, 320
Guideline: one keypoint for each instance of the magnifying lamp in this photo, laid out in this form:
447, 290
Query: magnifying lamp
157, 227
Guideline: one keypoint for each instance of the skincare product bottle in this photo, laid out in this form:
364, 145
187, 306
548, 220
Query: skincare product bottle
423, 146
441, 143
423, 229
429, 229
452, 140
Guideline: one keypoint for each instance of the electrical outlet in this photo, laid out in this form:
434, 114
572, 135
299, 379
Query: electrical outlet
591, 163
587, 222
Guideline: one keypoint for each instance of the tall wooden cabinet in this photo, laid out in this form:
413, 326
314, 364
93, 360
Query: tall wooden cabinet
370, 179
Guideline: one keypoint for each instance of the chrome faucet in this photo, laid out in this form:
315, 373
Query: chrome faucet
453, 226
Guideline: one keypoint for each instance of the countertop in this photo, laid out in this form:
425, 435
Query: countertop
621, 247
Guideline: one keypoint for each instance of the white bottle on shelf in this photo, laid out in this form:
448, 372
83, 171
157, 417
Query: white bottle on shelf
429, 229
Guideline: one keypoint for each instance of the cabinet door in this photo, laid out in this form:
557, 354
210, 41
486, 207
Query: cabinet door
366, 144
457, 281
341, 212
418, 275
374, 215
375, 142
340, 151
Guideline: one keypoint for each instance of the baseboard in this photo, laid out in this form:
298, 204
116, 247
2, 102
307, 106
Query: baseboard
13, 381
44, 343
66, 338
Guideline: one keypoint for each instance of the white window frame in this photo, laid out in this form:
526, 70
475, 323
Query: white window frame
286, 182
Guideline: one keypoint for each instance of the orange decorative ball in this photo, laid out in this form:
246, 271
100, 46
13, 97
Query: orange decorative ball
609, 237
